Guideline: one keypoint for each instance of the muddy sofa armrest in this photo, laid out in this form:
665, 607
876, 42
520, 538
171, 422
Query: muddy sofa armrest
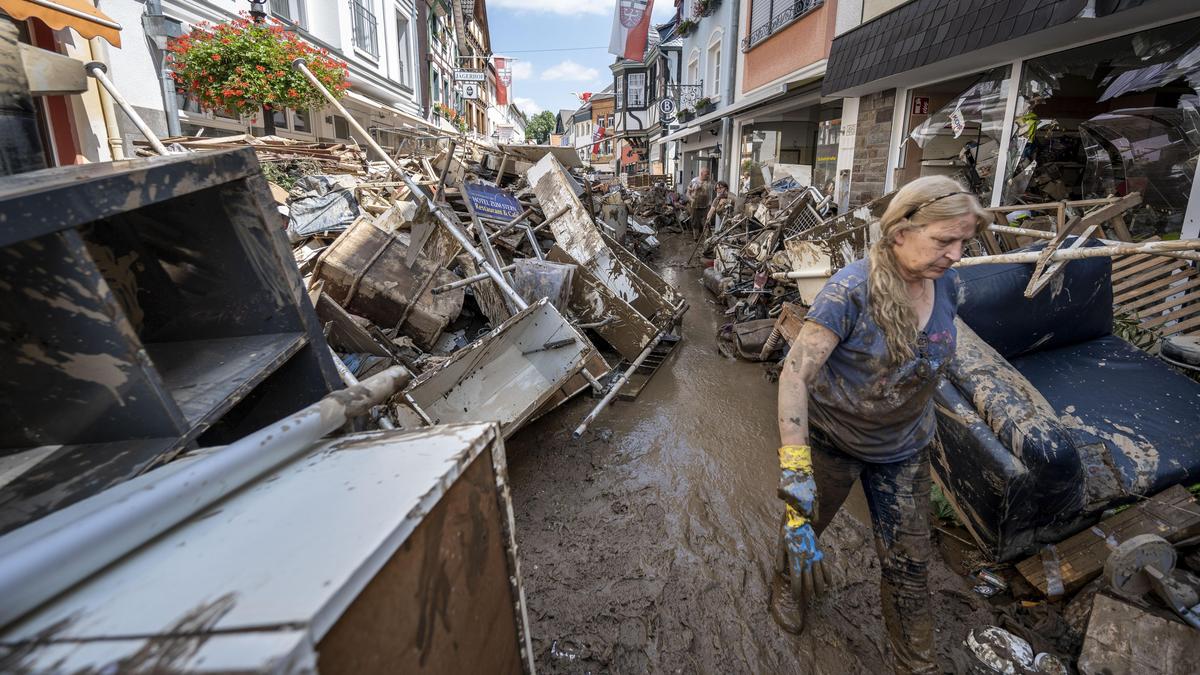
1023, 471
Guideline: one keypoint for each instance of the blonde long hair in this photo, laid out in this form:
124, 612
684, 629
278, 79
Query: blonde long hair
921, 202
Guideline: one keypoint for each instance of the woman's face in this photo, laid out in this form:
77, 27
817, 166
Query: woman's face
928, 251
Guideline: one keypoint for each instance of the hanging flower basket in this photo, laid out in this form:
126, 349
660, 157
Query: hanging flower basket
241, 66
707, 7
687, 27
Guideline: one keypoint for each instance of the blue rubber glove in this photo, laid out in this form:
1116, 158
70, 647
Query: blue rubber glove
798, 489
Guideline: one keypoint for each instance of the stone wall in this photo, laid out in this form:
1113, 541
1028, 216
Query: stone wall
874, 137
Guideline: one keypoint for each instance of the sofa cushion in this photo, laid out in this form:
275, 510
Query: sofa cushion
1073, 308
1143, 411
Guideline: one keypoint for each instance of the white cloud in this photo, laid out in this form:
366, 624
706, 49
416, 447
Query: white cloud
564, 7
570, 71
527, 105
522, 70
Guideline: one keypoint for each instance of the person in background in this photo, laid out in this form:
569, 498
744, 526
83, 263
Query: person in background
699, 194
856, 403
721, 201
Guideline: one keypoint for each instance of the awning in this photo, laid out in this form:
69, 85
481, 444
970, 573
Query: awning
692, 128
58, 14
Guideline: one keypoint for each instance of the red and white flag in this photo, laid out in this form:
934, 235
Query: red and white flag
631, 26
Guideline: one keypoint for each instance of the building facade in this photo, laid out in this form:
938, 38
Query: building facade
1029, 102
600, 153
709, 41
376, 38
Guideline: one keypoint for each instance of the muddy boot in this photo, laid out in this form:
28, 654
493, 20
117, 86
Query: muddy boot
784, 609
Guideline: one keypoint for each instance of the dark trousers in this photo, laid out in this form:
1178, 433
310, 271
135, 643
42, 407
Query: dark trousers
898, 498
697, 221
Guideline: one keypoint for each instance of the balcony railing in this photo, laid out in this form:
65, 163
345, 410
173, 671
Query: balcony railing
685, 95
783, 13
364, 27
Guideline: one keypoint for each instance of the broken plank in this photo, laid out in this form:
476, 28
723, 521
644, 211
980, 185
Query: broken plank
1125, 640
1172, 514
592, 302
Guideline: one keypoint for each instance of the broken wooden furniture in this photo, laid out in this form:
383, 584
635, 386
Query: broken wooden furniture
1046, 418
377, 552
149, 306
1123, 639
1061, 569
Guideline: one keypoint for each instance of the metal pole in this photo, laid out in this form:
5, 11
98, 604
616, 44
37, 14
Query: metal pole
109, 526
473, 279
351, 380
415, 189
616, 387
97, 70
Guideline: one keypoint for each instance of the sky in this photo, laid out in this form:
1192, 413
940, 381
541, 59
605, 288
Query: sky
576, 32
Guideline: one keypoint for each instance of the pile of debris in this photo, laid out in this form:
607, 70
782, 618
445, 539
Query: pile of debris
487, 277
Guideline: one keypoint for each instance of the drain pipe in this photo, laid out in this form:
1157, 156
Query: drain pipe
730, 89
116, 144
109, 526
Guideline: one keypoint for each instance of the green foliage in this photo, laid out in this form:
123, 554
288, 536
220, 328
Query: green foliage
285, 173
240, 66
540, 126
941, 506
1127, 327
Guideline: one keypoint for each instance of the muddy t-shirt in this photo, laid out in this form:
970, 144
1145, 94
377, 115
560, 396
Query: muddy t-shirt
874, 411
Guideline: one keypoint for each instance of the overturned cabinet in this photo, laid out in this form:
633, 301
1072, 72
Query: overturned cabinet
381, 552
147, 307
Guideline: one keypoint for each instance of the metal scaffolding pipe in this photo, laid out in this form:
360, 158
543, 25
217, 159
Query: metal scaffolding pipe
109, 527
417, 194
468, 281
97, 71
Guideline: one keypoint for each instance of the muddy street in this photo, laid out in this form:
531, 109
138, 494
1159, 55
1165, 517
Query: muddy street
646, 545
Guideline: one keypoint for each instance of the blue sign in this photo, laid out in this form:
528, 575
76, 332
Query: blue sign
492, 202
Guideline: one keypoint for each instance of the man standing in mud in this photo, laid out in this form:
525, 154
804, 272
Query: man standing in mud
856, 403
699, 193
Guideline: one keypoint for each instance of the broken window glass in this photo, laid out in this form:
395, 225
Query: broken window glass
1112, 118
961, 138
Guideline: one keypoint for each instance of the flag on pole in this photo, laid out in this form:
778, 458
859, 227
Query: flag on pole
631, 26
597, 136
503, 79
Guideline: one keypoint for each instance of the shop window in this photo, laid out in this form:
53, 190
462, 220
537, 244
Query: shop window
341, 128
954, 130
1112, 118
829, 131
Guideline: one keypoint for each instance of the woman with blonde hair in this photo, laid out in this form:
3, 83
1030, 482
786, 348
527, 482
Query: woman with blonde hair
856, 403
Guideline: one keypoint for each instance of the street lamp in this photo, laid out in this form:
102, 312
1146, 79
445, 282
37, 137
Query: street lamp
258, 10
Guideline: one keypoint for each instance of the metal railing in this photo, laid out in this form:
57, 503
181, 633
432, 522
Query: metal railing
685, 95
364, 27
783, 13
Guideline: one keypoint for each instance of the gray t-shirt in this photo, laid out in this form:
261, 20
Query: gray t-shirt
871, 410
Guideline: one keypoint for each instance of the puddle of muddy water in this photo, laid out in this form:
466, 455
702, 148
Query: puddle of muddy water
647, 544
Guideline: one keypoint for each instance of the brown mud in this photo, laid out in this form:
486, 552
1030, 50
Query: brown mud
646, 546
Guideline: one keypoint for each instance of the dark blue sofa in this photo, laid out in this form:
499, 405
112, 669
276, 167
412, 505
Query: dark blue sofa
1045, 418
